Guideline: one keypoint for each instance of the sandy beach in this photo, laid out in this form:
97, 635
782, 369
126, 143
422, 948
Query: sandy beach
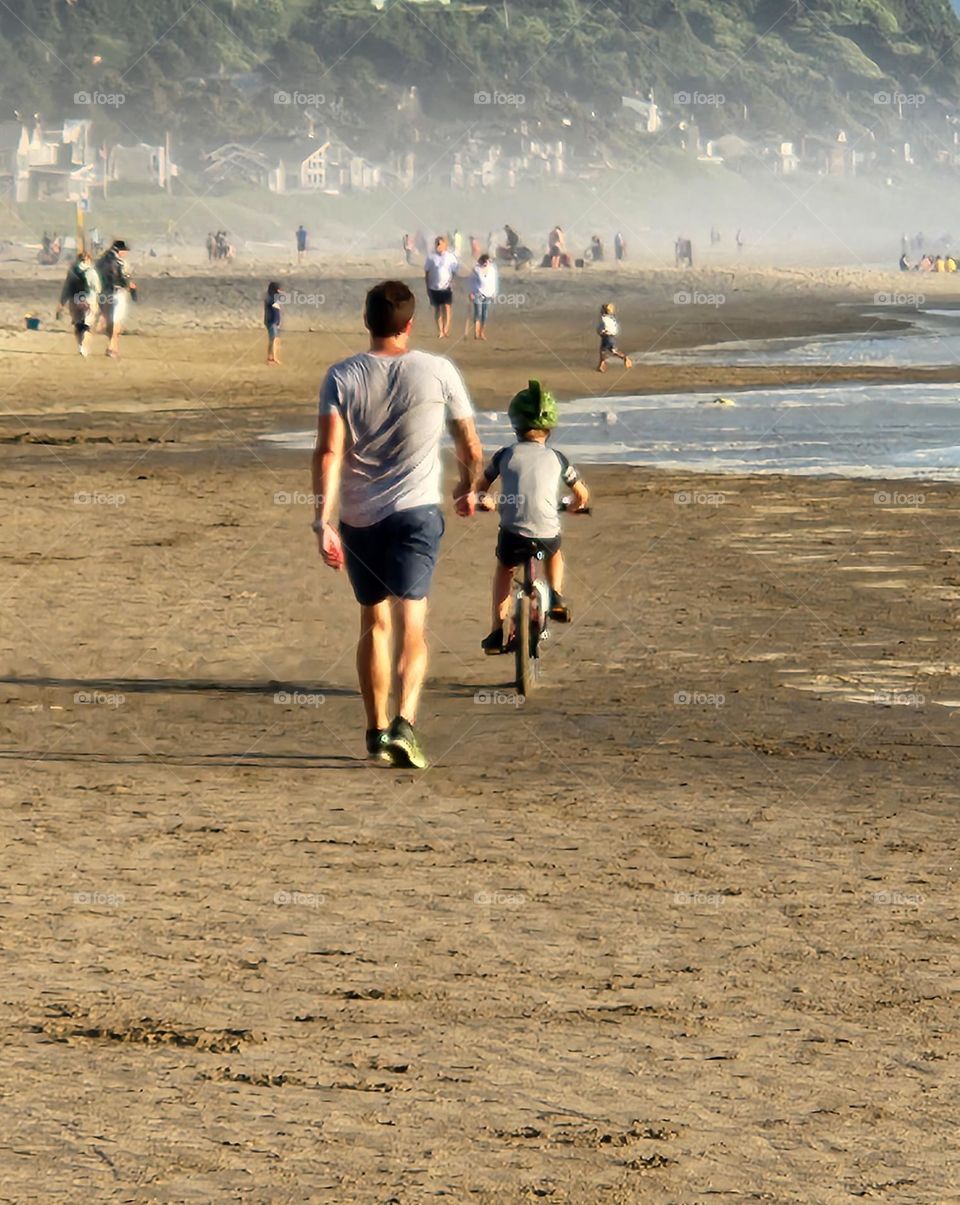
678, 928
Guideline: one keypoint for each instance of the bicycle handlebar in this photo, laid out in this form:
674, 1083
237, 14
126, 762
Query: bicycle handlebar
561, 509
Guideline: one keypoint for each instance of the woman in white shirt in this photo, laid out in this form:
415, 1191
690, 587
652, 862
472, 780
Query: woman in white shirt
483, 291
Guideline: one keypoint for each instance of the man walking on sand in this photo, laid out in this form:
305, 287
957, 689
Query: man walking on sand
439, 270
381, 420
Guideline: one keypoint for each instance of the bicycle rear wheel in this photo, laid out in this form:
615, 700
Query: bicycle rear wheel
525, 649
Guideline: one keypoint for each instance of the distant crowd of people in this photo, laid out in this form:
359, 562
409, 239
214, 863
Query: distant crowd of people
914, 256
929, 263
219, 246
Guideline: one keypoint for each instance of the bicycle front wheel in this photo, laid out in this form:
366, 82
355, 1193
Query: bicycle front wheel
525, 649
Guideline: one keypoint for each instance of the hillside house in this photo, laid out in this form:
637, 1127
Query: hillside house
38, 164
324, 164
140, 164
646, 113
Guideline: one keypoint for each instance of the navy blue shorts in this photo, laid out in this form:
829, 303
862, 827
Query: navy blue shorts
394, 558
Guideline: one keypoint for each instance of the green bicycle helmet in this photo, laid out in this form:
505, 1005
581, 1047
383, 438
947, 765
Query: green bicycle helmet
534, 409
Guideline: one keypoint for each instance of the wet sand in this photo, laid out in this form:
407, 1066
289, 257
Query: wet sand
679, 927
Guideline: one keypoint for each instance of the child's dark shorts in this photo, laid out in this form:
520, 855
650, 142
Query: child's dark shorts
513, 549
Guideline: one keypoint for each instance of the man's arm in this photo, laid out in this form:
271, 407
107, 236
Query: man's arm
327, 465
469, 461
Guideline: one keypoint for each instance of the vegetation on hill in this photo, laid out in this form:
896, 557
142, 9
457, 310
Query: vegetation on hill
208, 72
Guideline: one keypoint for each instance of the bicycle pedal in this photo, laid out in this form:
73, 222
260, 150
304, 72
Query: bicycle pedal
560, 614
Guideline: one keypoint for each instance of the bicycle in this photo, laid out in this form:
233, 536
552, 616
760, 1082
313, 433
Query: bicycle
527, 625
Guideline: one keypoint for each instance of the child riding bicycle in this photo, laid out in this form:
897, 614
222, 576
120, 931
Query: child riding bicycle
531, 477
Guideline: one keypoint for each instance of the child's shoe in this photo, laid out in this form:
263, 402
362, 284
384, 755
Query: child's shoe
493, 643
559, 611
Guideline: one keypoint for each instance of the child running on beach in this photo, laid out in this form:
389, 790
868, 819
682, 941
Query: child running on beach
531, 476
272, 318
608, 329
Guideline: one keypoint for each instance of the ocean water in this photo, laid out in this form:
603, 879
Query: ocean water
908, 430
933, 340
899, 430
896, 430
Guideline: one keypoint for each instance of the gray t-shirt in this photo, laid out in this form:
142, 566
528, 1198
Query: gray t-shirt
531, 474
394, 409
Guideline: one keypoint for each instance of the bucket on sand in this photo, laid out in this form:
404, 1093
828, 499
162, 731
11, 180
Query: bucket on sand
32, 323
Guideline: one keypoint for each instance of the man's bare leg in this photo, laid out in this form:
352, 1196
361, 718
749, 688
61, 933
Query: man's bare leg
373, 663
445, 311
410, 651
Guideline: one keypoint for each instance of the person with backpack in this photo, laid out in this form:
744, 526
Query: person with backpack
81, 294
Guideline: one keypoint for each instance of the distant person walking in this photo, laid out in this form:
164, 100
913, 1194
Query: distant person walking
608, 328
81, 294
301, 237
557, 245
483, 292
407, 245
382, 416
440, 267
619, 247
272, 320
118, 291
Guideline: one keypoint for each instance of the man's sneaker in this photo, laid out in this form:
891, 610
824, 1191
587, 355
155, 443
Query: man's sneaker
493, 643
559, 611
403, 747
376, 738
